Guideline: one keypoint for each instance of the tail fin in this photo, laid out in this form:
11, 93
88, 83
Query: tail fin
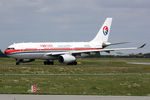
102, 35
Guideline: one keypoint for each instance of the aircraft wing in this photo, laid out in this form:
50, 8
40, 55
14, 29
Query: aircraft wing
108, 50
98, 50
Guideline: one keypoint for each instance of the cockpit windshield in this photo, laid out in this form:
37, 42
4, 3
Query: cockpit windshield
10, 48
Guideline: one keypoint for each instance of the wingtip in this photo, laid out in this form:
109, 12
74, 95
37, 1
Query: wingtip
142, 46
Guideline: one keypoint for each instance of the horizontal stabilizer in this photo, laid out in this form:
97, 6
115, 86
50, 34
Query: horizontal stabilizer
109, 44
119, 43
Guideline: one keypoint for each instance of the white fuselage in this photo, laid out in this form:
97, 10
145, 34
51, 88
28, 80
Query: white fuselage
38, 50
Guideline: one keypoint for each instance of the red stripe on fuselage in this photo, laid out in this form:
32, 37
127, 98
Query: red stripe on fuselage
21, 50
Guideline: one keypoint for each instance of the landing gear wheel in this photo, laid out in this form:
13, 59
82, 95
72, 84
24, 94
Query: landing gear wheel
45, 63
72, 63
48, 63
75, 63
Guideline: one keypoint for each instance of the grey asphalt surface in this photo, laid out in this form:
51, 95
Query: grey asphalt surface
69, 97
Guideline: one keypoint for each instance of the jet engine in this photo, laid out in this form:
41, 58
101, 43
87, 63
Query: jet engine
67, 59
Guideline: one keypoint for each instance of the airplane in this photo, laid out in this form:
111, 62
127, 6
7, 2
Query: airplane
64, 52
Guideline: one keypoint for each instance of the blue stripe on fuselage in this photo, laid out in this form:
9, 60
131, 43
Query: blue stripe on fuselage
33, 52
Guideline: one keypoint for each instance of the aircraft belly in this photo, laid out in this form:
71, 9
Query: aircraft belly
33, 56
27, 56
45, 57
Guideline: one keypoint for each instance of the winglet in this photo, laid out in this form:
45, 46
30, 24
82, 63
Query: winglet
142, 46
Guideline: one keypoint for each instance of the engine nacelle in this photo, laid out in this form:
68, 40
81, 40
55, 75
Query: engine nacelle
26, 60
66, 58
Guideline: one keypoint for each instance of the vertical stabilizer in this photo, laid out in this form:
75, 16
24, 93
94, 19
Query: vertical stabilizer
102, 35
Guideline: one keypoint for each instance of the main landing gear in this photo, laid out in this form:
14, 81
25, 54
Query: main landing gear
52, 63
48, 62
72, 63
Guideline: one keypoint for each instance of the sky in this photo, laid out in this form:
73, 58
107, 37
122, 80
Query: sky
74, 20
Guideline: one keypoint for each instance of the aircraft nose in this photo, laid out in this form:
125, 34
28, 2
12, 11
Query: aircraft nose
7, 52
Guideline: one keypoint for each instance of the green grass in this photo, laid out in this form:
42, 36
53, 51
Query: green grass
117, 77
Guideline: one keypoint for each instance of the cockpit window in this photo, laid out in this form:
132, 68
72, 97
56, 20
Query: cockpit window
10, 48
